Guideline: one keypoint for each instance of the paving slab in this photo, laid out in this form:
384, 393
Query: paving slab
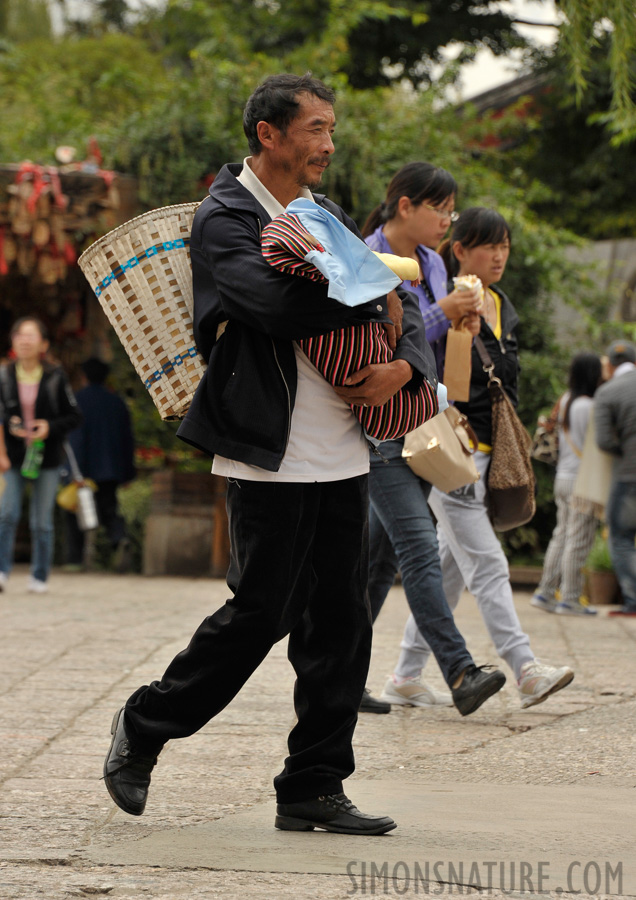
467, 833
547, 790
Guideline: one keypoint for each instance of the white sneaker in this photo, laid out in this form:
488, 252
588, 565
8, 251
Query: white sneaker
580, 607
37, 587
538, 680
3, 581
411, 692
542, 602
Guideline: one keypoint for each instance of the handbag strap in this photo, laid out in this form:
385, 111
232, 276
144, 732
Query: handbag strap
472, 437
566, 435
72, 460
486, 362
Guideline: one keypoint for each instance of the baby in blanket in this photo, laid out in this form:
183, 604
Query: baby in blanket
330, 253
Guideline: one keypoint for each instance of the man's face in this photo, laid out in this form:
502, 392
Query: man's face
305, 149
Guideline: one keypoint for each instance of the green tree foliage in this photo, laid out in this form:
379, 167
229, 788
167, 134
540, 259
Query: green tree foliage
23, 20
61, 92
371, 42
587, 26
575, 174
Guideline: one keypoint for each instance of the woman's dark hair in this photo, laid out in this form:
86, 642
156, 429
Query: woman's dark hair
476, 225
39, 324
276, 101
583, 380
418, 181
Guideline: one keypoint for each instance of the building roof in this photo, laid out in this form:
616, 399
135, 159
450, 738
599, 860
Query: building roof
506, 94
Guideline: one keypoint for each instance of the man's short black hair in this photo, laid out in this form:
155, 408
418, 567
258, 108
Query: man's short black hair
276, 101
95, 370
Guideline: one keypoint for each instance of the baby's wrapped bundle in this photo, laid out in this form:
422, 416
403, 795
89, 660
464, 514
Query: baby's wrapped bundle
307, 240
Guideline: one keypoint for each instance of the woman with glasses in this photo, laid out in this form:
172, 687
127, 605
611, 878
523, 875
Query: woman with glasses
414, 217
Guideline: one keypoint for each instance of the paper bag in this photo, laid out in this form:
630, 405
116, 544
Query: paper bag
457, 368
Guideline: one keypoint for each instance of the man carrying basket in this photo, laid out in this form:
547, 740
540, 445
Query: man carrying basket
297, 464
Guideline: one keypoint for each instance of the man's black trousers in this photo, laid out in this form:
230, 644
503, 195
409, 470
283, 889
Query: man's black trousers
300, 567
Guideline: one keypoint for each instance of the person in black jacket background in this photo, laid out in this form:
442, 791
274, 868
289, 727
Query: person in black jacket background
104, 450
297, 466
36, 405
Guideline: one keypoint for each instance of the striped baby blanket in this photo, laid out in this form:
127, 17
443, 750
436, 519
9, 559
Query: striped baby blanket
286, 242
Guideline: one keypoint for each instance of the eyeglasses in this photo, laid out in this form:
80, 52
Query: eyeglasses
443, 213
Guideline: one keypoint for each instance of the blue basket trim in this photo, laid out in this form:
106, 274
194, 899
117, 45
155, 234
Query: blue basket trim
169, 366
121, 268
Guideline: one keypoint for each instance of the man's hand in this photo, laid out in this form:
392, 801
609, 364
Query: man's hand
393, 329
5, 462
375, 384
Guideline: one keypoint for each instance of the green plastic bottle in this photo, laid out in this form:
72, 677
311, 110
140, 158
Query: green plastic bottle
32, 460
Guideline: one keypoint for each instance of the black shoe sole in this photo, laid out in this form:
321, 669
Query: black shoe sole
495, 684
113, 795
289, 823
379, 710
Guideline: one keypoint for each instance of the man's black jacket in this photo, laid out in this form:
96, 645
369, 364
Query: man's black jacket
242, 408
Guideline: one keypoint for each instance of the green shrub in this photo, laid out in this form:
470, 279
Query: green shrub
134, 502
599, 559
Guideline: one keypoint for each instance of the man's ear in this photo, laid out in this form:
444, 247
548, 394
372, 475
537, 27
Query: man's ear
267, 134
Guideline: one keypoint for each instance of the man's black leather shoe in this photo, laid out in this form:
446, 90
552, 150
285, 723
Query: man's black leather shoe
333, 812
371, 704
127, 772
476, 687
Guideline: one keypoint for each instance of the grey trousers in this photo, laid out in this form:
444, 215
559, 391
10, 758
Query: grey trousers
569, 546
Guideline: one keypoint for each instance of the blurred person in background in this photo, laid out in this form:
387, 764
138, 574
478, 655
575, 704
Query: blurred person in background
575, 528
37, 410
104, 448
615, 419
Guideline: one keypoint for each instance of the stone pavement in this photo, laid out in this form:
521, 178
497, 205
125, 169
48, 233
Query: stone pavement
515, 803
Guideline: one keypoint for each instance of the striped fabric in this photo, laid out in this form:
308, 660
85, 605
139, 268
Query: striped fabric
285, 243
338, 354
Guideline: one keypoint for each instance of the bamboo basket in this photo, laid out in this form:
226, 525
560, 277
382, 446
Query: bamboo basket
142, 276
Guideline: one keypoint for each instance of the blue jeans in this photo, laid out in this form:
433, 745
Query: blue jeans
402, 534
621, 518
41, 506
